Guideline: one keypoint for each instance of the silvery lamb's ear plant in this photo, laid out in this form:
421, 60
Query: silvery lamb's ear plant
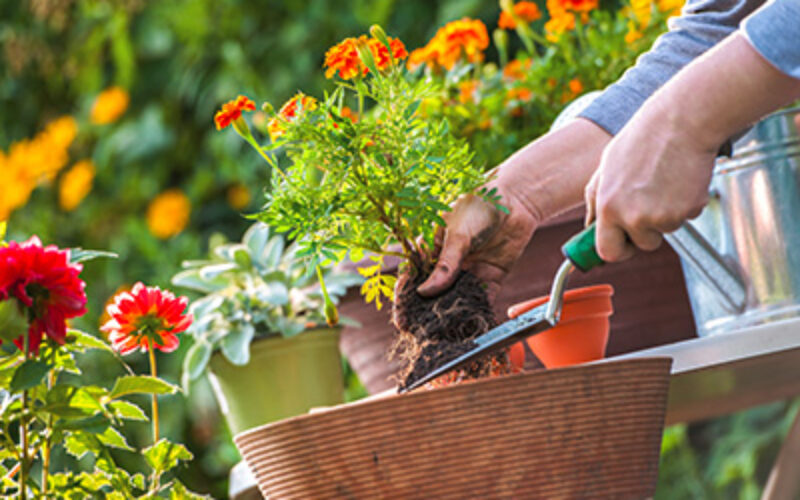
253, 289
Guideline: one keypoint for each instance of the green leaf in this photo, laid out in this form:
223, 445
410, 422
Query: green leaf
256, 238
113, 438
192, 280
271, 255
127, 410
179, 492
79, 444
273, 293
213, 271
196, 360
140, 384
164, 455
88, 341
29, 374
81, 255
236, 344
95, 424
70, 402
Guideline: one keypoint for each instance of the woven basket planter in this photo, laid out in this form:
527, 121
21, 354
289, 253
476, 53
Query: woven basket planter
589, 431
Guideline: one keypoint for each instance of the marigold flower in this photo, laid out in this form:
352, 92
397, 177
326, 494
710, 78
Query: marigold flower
527, 11
16, 185
289, 112
558, 24
466, 38
633, 33
232, 111
346, 112
146, 318
238, 196
516, 69
45, 284
75, 185
109, 106
643, 10
554, 6
344, 58
520, 94
168, 213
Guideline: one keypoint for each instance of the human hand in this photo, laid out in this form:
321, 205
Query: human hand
652, 177
539, 181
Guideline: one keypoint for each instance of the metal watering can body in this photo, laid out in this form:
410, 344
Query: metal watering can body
753, 221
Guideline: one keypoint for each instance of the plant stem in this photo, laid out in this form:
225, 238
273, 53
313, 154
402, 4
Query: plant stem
47, 441
154, 373
23, 422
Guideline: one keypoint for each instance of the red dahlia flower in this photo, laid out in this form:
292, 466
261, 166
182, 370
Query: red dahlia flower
45, 284
146, 317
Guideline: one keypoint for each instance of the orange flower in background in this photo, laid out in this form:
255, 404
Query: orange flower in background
579, 6
168, 213
521, 94
238, 196
344, 58
346, 112
289, 112
146, 318
232, 111
527, 11
643, 9
75, 185
557, 25
575, 86
516, 69
109, 106
466, 91
466, 38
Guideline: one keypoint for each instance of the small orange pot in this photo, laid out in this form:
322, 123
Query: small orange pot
580, 336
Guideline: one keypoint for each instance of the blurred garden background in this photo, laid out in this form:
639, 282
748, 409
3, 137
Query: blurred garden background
107, 142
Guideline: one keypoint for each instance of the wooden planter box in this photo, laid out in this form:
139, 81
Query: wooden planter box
589, 431
650, 301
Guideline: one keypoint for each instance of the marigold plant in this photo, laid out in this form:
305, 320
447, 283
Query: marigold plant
109, 105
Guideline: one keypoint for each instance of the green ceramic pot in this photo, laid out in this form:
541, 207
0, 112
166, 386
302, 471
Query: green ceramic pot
284, 378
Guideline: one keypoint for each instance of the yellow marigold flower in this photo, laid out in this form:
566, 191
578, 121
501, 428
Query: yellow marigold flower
168, 213
109, 106
633, 33
289, 112
16, 185
60, 132
643, 9
238, 196
75, 185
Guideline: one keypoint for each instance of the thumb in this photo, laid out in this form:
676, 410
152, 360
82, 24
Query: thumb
455, 247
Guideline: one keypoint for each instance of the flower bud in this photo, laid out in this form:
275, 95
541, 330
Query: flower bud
268, 108
377, 32
365, 53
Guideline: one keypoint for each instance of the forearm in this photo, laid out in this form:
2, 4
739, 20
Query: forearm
722, 93
548, 175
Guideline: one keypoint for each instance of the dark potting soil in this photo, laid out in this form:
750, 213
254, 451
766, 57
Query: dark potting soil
433, 331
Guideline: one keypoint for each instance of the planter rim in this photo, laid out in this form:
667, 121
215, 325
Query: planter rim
308, 335
570, 296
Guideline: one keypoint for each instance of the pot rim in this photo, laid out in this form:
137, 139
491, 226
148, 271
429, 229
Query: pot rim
570, 296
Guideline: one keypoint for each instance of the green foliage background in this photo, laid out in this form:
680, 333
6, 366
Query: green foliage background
180, 59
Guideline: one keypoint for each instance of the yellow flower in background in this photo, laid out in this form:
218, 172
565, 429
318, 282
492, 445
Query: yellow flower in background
168, 213
238, 196
75, 185
109, 106
643, 10
32, 161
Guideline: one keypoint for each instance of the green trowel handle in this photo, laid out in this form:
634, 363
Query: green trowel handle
581, 250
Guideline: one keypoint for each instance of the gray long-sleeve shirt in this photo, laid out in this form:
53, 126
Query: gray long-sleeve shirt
773, 29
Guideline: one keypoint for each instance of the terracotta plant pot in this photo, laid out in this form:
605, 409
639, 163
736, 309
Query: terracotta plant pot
587, 431
649, 297
581, 334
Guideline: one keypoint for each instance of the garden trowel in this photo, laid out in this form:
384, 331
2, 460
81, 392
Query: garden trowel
581, 253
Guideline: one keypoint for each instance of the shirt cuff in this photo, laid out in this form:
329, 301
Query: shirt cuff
774, 32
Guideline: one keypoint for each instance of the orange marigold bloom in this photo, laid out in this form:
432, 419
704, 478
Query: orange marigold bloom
109, 106
289, 112
146, 318
521, 94
527, 11
467, 91
232, 111
344, 59
515, 70
571, 5
349, 113
558, 24
466, 38
575, 86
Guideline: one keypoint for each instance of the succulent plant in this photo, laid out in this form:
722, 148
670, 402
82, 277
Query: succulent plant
252, 289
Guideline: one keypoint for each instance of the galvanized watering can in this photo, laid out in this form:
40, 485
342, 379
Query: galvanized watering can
753, 221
